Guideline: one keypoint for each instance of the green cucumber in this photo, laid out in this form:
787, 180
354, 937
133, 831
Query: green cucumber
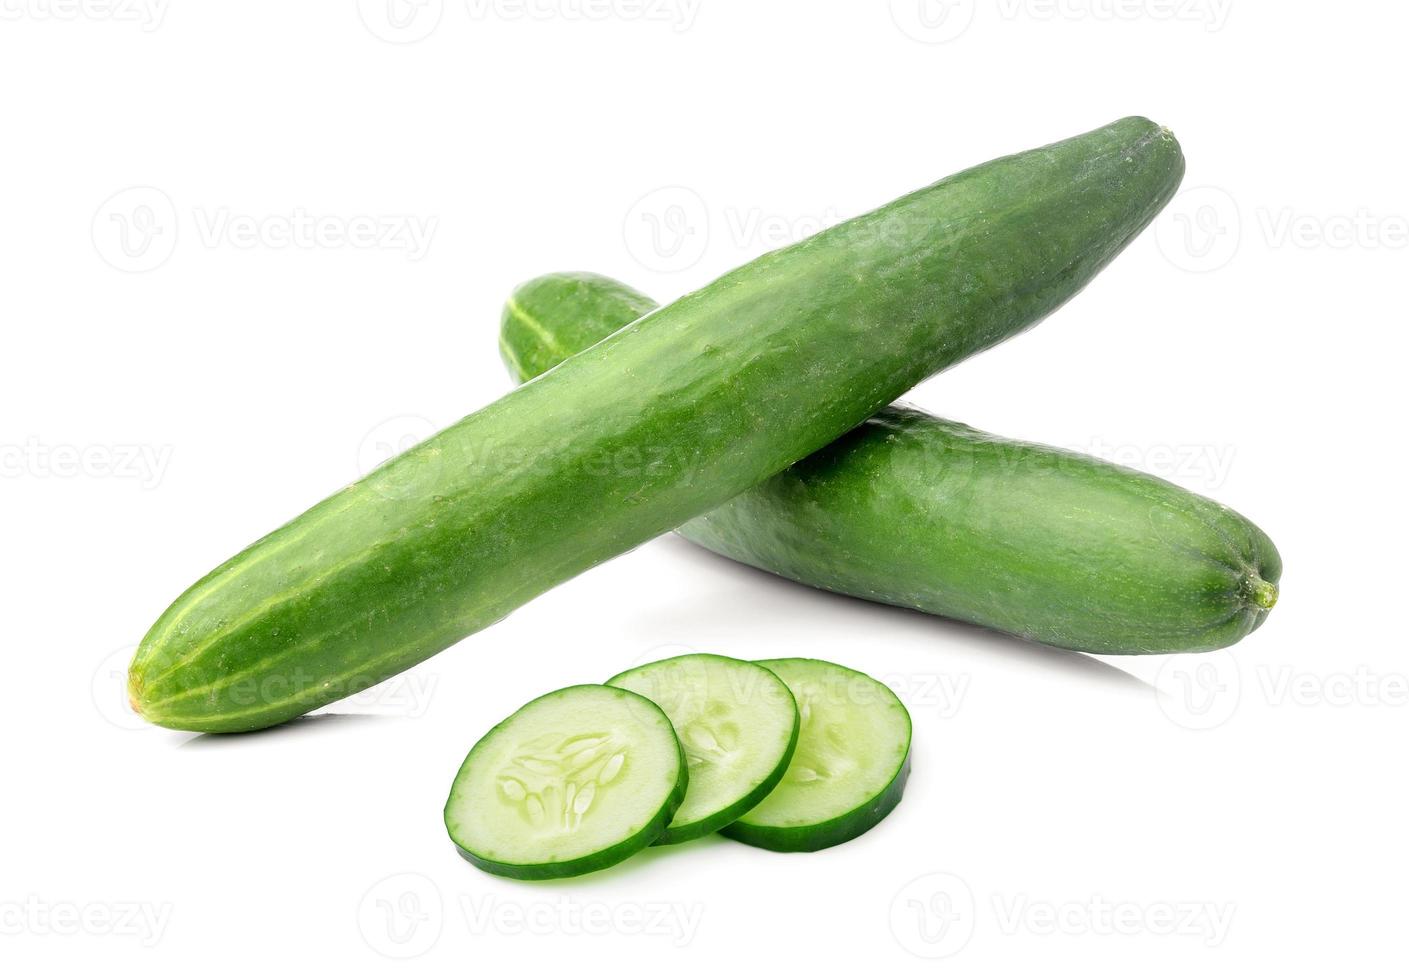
915, 511
738, 725
572, 782
723, 388
850, 767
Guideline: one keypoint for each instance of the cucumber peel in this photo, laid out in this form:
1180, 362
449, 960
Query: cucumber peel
738, 724
920, 512
850, 767
574, 781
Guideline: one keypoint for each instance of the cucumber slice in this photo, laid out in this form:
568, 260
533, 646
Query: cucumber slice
574, 781
738, 725
850, 767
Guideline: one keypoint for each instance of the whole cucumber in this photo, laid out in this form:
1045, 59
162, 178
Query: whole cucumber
663, 421
915, 511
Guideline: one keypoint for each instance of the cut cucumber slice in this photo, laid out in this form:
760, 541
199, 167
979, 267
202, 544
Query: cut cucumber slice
738, 725
850, 767
572, 782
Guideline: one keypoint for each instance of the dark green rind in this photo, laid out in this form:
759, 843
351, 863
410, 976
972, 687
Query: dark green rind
727, 386
830, 833
915, 511
529, 348
588, 863
837, 830
723, 818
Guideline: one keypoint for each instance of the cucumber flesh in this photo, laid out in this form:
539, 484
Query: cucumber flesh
850, 767
738, 724
572, 782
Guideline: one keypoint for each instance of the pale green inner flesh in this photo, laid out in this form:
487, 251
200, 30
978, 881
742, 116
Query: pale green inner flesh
734, 720
854, 737
566, 776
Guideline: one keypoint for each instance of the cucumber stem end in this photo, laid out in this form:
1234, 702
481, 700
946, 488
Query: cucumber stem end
1261, 593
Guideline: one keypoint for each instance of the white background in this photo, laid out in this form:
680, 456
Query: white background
171, 395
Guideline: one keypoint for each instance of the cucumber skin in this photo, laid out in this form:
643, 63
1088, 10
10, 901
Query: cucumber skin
723, 818
919, 512
456, 532
817, 837
839, 829
604, 858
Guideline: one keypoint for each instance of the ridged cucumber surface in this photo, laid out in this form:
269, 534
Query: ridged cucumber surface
667, 419
916, 511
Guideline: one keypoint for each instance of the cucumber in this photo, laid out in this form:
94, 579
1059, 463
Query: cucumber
850, 767
738, 725
916, 511
572, 782
661, 422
